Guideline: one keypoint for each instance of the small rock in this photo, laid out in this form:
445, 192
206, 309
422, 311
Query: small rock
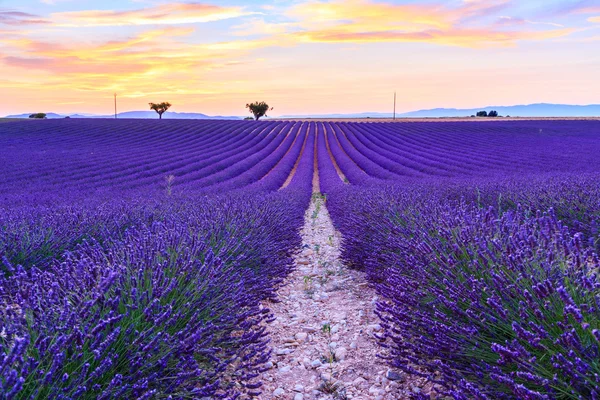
283, 352
353, 345
298, 388
301, 336
303, 262
299, 396
374, 327
358, 381
339, 316
394, 376
268, 365
285, 369
316, 364
278, 392
341, 353
325, 376
332, 345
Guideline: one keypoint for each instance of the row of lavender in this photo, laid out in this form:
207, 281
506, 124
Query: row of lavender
115, 288
490, 276
107, 156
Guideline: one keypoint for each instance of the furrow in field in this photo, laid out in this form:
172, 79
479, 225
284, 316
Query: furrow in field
292, 172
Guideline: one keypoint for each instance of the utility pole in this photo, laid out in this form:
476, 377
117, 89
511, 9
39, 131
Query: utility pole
115, 106
394, 105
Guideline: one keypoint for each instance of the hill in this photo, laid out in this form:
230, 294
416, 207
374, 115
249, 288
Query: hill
528, 110
132, 114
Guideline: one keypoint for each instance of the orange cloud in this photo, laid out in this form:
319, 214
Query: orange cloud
588, 10
166, 14
594, 19
128, 63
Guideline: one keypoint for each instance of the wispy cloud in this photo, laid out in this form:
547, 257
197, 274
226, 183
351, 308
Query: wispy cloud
507, 21
165, 14
363, 21
12, 17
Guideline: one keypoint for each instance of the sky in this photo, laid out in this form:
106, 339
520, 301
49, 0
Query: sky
301, 57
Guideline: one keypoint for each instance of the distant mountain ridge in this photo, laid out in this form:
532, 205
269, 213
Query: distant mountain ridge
526, 110
132, 114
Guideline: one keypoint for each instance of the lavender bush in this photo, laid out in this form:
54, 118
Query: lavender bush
171, 306
112, 287
484, 304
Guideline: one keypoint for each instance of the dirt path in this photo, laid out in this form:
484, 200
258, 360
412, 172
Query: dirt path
323, 337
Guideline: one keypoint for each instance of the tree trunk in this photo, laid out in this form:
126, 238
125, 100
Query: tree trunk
159, 115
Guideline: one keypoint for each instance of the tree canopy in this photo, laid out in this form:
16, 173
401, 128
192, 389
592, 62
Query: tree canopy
160, 108
482, 113
38, 116
259, 109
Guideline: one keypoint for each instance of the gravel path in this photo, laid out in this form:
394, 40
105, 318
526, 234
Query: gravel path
324, 333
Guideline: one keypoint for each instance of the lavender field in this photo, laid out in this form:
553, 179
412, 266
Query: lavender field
137, 255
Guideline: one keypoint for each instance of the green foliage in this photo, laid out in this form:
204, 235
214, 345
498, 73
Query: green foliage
259, 109
38, 116
493, 113
160, 108
482, 113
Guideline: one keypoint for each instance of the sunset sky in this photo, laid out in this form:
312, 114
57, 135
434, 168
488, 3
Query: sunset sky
301, 57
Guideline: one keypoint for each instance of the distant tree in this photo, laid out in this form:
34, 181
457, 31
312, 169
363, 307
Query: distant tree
508, 116
160, 108
259, 109
482, 113
249, 118
493, 113
38, 116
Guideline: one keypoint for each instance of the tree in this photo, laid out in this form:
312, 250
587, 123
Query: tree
160, 108
493, 113
38, 116
482, 113
259, 109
